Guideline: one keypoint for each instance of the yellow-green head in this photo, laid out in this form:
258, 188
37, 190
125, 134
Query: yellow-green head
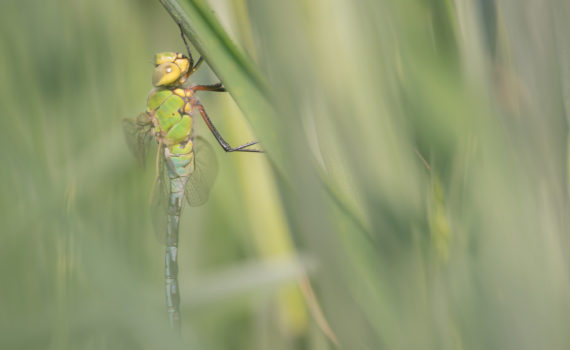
172, 69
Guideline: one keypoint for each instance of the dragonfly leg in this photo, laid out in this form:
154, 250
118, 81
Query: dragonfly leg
187, 46
200, 60
219, 87
221, 141
198, 63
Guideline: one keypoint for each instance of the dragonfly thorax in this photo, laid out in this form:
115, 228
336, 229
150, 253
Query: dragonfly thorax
169, 110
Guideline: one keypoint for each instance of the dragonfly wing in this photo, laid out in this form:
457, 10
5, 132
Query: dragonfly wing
138, 136
159, 200
205, 171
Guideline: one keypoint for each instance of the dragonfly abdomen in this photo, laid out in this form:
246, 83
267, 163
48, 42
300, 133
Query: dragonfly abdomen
177, 185
179, 164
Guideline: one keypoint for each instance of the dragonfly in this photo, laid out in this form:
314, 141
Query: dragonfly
185, 163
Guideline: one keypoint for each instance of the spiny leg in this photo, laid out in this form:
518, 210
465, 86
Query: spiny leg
198, 63
187, 46
200, 60
214, 87
221, 141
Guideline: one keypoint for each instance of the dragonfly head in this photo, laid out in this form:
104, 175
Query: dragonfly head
172, 69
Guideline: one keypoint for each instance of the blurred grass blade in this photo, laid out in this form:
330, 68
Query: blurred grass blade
244, 279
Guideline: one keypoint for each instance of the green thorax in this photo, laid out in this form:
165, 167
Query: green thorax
167, 108
173, 128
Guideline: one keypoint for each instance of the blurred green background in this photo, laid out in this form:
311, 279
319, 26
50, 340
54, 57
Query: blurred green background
417, 169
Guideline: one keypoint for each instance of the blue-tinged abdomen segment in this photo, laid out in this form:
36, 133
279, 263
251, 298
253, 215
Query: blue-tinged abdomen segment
181, 159
181, 165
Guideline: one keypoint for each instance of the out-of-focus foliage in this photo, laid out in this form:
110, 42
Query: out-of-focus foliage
420, 170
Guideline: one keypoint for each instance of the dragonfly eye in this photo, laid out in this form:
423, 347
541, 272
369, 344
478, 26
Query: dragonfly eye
165, 74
